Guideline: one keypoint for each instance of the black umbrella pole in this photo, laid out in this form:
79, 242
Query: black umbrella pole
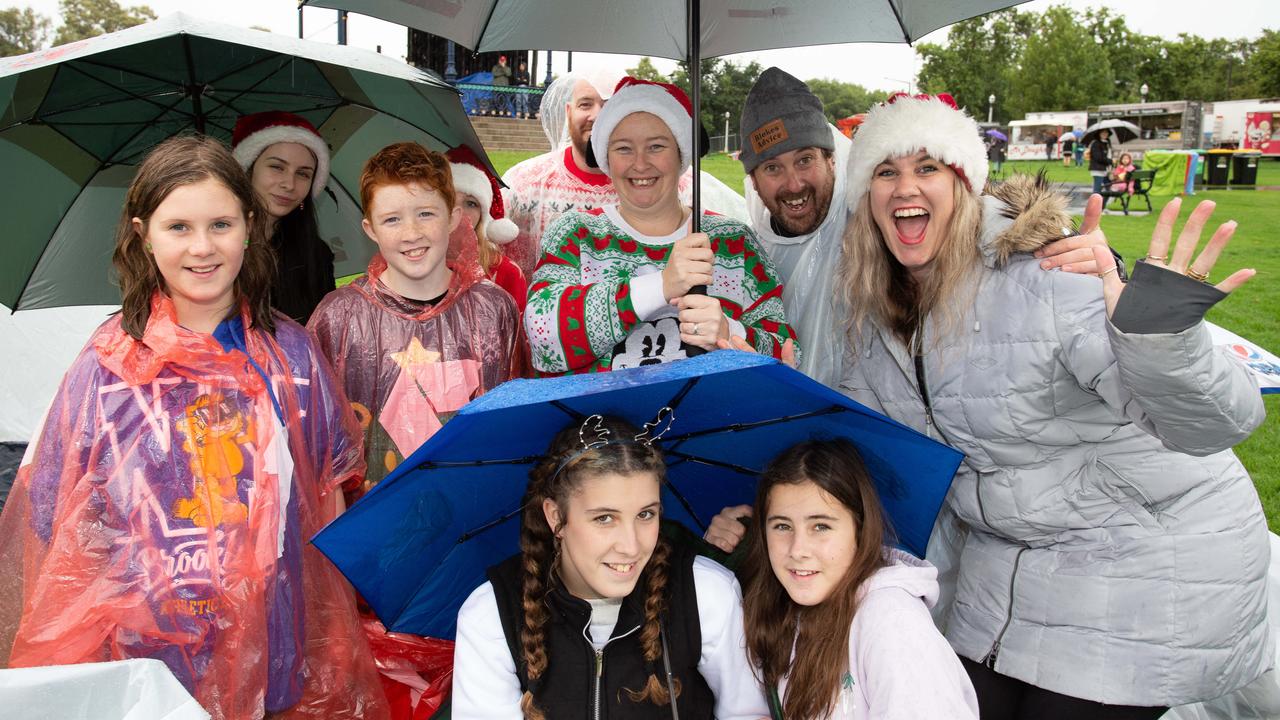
695, 86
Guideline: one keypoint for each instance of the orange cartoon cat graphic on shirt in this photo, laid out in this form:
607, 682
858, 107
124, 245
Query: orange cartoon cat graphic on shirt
213, 431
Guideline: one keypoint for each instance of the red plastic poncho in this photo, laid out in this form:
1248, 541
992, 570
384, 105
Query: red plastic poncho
162, 512
408, 366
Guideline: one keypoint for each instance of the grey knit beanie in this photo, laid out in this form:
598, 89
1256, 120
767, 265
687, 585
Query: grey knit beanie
781, 115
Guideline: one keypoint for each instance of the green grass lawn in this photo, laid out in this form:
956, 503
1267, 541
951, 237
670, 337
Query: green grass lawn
1253, 311
1268, 171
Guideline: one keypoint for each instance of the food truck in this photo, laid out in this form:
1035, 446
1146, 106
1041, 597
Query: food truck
1245, 124
1172, 125
1027, 136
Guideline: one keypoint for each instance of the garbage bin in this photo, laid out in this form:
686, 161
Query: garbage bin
1217, 167
1245, 172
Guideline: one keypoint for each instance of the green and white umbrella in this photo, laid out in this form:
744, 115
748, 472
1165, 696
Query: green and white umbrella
75, 121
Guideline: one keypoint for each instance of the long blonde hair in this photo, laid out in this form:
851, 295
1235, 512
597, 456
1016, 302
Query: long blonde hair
875, 287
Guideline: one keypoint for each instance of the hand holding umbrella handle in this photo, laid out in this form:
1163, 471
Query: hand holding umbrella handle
694, 350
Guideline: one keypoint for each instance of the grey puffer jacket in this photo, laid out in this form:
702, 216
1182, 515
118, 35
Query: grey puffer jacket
1116, 550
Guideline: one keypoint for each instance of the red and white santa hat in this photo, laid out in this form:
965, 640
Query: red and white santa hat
906, 124
471, 177
259, 131
668, 102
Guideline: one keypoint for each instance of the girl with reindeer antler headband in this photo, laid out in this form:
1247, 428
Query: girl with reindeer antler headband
598, 612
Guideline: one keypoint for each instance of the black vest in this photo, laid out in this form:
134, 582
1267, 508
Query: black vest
566, 690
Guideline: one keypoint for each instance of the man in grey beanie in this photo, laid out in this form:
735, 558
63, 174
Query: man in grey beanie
795, 163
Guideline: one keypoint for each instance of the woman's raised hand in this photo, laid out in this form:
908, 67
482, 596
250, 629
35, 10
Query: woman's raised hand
1182, 259
688, 266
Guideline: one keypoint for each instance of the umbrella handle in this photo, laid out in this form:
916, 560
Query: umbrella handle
694, 350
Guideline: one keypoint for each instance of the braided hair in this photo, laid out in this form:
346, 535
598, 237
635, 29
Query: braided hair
560, 473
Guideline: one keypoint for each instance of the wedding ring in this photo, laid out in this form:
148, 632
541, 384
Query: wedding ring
1157, 258
697, 329
1202, 277
1107, 272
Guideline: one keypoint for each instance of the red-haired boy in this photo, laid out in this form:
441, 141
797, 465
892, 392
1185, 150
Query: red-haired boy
422, 332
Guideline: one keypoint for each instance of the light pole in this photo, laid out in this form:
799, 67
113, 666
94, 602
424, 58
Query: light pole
991, 105
726, 132
1143, 92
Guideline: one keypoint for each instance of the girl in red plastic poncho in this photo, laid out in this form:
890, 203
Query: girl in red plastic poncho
193, 446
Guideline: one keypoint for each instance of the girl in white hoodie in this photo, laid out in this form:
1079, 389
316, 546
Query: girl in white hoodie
838, 623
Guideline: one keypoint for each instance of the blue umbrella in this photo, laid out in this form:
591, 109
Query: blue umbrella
419, 543
998, 135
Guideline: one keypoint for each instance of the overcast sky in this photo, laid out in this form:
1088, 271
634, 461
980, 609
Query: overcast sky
888, 67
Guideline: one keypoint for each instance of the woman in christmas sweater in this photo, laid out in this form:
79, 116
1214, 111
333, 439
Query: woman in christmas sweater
613, 286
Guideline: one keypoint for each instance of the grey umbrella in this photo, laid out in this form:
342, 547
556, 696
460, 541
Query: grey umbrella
666, 28
1122, 131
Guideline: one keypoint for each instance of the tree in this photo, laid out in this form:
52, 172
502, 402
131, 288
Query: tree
724, 89
89, 18
646, 71
1200, 69
22, 31
1062, 68
1263, 65
979, 60
1134, 58
841, 99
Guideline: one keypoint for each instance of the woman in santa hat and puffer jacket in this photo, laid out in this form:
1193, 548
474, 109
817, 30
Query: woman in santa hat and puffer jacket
1110, 549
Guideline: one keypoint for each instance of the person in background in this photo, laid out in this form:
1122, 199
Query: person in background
1068, 150
501, 79
1100, 159
288, 162
483, 210
995, 154
1121, 174
521, 80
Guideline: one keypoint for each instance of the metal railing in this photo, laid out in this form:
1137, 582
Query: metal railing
501, 100
717, 144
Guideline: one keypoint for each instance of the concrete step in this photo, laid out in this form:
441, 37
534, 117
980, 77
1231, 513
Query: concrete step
498, 133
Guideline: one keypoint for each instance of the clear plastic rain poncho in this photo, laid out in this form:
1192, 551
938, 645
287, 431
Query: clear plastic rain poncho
552, 110
408, 366
163, 512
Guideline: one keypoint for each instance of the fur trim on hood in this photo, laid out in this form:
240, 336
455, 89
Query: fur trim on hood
1038, 215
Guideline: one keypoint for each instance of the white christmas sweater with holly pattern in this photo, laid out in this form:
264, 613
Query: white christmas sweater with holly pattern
596, 304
